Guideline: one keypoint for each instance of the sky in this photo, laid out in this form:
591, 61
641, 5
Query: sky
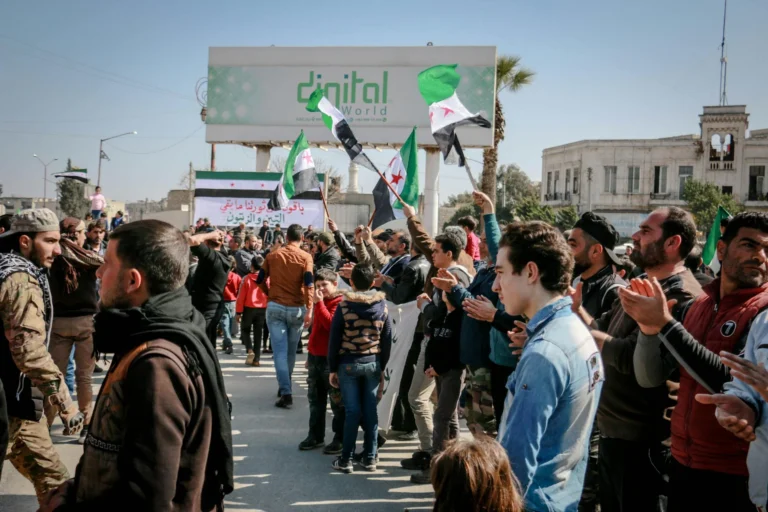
74, 72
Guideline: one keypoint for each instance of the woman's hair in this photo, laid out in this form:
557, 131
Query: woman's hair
474, 475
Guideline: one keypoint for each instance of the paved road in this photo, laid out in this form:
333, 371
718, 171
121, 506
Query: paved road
271, 473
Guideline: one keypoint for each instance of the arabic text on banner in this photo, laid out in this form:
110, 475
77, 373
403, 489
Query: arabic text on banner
227, 211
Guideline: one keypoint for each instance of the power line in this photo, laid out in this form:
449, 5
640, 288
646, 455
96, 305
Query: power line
82, 135
157, 150
109, 75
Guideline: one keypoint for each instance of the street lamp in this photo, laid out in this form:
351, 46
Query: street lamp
103, 155
45, 177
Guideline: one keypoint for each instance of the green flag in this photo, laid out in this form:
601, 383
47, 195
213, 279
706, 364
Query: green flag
403, 174
709, 254
298, 176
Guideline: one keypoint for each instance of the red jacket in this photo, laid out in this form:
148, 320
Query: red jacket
250, 295
233, 285
698, 440
321, 325
473, 246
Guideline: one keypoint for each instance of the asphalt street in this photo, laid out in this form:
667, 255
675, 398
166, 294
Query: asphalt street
271, 473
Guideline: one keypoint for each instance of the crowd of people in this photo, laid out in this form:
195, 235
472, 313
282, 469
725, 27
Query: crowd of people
588, 380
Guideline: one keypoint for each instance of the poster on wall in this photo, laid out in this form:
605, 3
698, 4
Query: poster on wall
231, 198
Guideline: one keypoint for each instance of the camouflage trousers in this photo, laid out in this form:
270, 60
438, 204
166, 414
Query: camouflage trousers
319, 390
479, 402
31, 452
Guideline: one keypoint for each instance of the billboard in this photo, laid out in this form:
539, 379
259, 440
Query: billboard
229, 198
259, 95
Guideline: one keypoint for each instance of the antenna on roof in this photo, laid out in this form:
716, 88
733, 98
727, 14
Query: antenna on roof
723, 63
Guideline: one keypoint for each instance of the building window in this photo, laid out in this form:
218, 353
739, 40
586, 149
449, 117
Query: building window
576, 174
728, 191
567, 180
610, 179
549, 182
685, 172
557, 182
756, 178
660, 179
633, 181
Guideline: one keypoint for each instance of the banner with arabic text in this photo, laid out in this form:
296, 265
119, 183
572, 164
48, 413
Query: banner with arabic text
229, 198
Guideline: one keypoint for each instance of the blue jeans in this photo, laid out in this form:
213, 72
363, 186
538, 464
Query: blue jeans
285, 323
96, 214
359, 383
227, 319
69, 378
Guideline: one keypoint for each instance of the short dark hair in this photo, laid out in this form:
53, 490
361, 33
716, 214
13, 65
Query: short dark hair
693, 260
257, 262
157, 249
326, 274
279, 239
94, 225
679, 222
754, 220
237, 240
449, 242
405, 239
540, 243
724, 222
362, 277
468, 222
5, 221
295, 232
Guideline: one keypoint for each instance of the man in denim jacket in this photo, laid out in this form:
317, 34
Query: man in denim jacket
555, 389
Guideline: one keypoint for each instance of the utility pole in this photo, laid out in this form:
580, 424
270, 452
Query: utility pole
191, 194
723, 63
45, 178
589, 189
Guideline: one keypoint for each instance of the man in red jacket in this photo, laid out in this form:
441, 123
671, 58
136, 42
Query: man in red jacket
326, 298
706, 456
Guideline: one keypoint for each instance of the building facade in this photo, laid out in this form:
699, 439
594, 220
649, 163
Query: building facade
625, 179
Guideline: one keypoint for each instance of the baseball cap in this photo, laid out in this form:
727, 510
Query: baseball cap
33, 220
601, 230
325, 237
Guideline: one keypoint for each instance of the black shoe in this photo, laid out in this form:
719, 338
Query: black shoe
228, 350
285, 402
98, 369
418, 462
345, 466
267, 350
425, 477
380, 440
335, 448
410, 436
310, 444
358, 458
300, 350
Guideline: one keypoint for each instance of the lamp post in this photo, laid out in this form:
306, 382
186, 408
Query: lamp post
45, 178
103, 155
201, 91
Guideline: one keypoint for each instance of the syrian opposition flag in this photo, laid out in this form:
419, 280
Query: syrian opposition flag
438, 88
338, 125
299, 175
709, 254
80, 175
403, 174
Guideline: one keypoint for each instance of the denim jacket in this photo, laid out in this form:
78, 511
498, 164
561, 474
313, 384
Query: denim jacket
756, 351
550, 407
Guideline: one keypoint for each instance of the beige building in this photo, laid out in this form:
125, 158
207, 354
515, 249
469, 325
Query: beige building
625, 179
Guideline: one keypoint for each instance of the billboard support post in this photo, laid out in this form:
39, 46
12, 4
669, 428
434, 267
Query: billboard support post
262, 158
431, 188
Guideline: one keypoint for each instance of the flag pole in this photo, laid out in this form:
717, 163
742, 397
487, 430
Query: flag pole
469, 173
389, 185
325, 204
370, 221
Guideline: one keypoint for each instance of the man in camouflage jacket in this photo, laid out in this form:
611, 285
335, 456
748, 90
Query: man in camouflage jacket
29, 375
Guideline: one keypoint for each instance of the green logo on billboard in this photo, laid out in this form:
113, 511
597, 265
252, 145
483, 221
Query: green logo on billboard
352, 90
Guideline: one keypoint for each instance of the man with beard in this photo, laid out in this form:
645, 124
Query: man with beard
244, 256
161, 436
592, 240
398, 249
29, 375
327, 254
95, 238
630, 417
75, 301
210, 279
721, 320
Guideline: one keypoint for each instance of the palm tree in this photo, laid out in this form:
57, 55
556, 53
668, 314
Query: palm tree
509, 76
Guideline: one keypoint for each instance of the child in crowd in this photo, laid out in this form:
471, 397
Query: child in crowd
474, 475
358, 351
252, 313
326, 299
230, 298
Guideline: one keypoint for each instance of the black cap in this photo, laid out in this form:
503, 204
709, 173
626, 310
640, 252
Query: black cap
601, 230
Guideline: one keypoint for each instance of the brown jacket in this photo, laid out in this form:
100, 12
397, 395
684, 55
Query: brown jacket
149, 437
290, 273
424, 243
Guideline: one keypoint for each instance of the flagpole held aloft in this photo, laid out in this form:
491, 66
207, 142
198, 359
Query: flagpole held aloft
325, 204
373, 214
469, 173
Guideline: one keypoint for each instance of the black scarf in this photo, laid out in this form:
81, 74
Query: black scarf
171, 316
